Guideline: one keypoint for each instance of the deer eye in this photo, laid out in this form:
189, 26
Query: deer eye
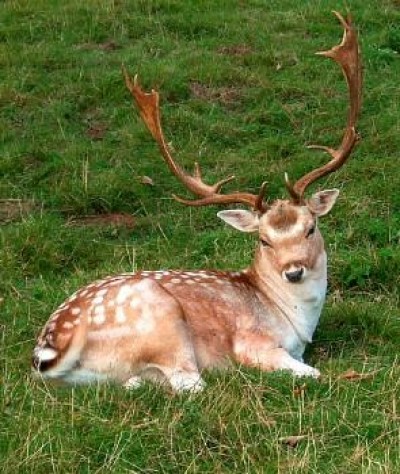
265, 243
311, 231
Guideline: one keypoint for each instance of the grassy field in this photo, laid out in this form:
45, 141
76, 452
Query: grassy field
242, 93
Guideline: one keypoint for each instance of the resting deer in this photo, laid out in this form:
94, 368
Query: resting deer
174, 324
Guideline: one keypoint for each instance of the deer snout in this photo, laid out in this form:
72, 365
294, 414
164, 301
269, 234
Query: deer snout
293, 274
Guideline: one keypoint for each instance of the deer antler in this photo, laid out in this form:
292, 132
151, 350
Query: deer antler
347, 55
149, 108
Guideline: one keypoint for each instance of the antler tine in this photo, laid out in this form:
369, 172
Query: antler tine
256, 202
148, 104
347, 55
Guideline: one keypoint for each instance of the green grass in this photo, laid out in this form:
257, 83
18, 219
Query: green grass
242, 92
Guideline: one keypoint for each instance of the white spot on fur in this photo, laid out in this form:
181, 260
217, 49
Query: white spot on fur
102, 292
68, 325
99, 310
120, 316
99, 318
98, 300
75, 311
144, 288
124, 293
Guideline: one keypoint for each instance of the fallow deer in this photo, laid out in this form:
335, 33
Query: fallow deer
130, 327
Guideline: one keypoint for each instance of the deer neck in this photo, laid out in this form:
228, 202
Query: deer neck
297, 305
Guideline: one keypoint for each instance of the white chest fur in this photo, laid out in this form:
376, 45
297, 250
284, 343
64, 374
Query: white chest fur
303, 308
299, 307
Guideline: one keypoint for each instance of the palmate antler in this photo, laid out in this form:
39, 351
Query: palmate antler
148, 104
347, 55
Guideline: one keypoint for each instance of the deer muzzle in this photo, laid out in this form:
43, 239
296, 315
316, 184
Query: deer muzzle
294, 273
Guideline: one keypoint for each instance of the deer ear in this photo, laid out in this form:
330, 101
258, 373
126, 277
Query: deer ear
322, 202
245, 221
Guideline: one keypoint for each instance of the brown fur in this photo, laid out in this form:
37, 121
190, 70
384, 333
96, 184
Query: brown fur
282, 216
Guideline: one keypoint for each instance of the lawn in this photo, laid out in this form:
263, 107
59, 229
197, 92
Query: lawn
242, 93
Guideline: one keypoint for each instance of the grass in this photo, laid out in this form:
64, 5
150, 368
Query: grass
242, 93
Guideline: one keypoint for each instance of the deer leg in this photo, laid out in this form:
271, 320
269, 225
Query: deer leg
133, 382
172, 354
179, 369
166, 352
282, 360
179, 365
183, 380
257, 350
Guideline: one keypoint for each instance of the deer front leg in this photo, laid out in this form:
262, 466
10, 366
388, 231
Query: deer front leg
258, 350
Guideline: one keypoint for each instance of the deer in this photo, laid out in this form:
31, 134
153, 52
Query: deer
171, 325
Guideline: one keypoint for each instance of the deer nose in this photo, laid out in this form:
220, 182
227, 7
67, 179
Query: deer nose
295, 275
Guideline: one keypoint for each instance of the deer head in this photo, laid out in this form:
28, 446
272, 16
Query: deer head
289, 237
